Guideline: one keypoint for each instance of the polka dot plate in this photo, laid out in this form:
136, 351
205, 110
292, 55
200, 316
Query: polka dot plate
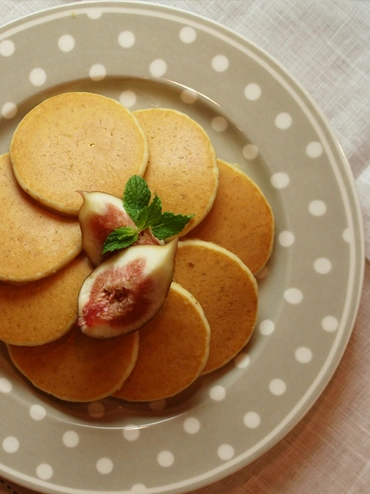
258, 116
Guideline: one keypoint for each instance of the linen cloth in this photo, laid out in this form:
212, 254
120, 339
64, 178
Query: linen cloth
325, 45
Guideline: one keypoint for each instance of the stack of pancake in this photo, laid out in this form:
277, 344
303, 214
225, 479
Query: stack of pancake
85, 141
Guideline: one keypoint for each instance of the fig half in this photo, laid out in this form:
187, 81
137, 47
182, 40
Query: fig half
99, 215
126, 290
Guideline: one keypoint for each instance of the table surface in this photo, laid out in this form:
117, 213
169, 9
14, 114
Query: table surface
329, 450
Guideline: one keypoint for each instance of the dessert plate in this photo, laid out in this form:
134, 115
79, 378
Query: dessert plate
259, 117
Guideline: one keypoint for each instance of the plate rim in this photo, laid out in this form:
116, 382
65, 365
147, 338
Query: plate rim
346, 168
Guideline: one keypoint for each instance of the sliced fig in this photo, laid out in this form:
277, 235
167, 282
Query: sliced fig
99, 215
126, 290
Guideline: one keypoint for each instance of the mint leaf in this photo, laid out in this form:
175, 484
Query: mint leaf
155, 212
145, 214
136, 196
170, 224
150, 215
120, 238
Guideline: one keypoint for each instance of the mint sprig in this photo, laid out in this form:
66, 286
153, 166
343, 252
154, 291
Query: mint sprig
145, 213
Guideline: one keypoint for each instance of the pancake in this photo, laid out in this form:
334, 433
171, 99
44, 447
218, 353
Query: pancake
240, 220
78, 368
227, 291
173, 350
41, 311
182, 168
34, 242
77, 141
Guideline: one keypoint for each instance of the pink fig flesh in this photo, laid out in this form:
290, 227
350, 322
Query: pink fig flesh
126, 291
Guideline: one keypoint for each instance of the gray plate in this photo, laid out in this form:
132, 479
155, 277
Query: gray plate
257, 116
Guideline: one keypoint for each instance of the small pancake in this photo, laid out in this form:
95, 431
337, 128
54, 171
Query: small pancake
77, 141
173, 350
240, 220
227, 291
34, 242
41, 311
182, 168
78, 368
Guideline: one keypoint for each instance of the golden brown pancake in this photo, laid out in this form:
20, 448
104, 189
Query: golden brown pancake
173, 350
227, 291
77, 141
78, 368
34, 242
240, 220
41, 311
182, 168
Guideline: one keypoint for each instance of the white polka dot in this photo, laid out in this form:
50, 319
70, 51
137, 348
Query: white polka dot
9, 110
293, 295
220, 63
277, 387
280, 180
158, 405
44, 471
303, 355
37, 412
322, 265
266, 327
158, 68
71, 439
96, 410
165, 459
330, 324
97, 72
252, 420
188, 96
104, 466
250, 151
38, 77
217, 393
139, 489
126, 39
314, 149
5, 385
219, 124
286, 238
131, 433
191, 425
283, 121
317, 208
66, 43
348, 235
242, 360
94, 13
7, 48
128, 98
188, 34
252, 91
225, 452
10, 444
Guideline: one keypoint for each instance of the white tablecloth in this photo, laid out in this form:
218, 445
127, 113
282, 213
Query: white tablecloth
325, 44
